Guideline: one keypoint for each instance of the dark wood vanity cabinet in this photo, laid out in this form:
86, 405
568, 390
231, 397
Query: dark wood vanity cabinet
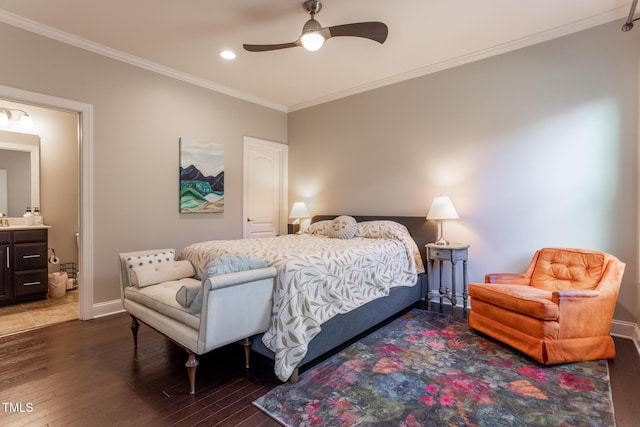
24, 265
5, 279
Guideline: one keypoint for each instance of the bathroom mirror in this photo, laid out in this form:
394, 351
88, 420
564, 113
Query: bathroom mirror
20, 159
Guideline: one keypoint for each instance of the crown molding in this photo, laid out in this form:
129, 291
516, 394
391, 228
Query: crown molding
61, 36
473, 56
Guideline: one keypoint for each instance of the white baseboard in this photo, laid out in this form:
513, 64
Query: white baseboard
107, 308
627, 330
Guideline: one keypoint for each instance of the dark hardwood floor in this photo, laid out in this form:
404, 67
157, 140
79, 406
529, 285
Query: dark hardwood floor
86, 373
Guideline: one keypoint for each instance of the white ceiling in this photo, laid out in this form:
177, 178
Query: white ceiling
183, 38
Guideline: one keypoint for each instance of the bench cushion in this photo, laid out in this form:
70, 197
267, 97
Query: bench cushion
162, 298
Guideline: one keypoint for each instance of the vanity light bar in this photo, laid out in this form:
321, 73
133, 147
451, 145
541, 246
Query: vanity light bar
22, 116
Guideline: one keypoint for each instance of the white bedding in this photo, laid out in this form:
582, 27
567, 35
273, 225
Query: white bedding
319, 277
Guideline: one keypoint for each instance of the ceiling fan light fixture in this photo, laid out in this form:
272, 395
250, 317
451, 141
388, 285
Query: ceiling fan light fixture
311, 38
312, 41
313, 35
228, 55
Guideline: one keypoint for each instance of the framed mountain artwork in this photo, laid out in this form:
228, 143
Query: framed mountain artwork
201, 176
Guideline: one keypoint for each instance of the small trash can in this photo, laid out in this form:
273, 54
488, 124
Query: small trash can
57, 284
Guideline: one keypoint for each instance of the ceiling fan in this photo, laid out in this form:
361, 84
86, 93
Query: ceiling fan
314, 35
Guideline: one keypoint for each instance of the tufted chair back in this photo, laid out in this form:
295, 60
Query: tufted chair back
565, 269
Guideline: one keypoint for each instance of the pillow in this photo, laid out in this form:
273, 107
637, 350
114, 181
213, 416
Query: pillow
158, 273
157, 258
320, 228
231, 263
343, 227
187, 293
385, 229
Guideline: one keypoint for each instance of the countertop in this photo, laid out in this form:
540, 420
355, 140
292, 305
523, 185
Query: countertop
23, 227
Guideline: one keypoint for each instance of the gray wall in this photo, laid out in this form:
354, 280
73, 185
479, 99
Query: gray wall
59, 175
536, 148
139, 117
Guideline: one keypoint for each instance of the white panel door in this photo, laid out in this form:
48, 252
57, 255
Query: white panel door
265, 188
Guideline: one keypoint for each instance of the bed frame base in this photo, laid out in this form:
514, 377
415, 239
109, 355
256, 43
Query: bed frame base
344, 327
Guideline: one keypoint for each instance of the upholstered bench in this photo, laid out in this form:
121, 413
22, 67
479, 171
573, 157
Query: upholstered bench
198, 315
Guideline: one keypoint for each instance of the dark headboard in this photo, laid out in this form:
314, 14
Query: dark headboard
421, 230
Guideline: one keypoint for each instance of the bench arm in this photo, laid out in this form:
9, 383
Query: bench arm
232, 279
235, 306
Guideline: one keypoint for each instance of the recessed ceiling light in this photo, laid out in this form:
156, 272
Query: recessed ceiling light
227, 54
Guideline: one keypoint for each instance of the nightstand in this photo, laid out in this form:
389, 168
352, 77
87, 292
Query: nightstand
452, 253
293, 228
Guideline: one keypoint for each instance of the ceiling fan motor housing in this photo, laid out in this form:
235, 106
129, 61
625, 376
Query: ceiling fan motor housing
311, 25
312, 6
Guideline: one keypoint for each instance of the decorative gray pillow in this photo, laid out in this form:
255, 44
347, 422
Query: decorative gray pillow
196, 304
187, 293
343, 227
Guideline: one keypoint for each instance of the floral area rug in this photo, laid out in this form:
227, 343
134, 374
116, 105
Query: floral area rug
429, 369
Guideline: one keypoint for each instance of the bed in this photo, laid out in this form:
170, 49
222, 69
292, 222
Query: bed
329, 290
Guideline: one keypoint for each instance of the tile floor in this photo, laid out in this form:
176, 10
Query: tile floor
36, 314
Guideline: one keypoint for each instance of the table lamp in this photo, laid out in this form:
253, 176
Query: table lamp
441, 209
299, 211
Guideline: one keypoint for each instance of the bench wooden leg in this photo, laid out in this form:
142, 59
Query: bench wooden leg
246, 343
135, 325
192, 364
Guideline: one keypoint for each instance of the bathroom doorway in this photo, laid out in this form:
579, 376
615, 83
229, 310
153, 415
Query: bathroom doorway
60, 207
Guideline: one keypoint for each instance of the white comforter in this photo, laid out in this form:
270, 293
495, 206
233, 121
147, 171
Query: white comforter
319, 277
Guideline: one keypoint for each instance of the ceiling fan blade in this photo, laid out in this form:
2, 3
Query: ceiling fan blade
267, 47
376, 31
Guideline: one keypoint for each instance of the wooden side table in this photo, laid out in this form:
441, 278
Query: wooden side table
452, 253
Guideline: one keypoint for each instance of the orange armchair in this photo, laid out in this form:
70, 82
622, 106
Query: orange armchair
559, 310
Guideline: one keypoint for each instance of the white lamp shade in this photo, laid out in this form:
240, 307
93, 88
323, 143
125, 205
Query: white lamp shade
4, 119
299, 210
442, 208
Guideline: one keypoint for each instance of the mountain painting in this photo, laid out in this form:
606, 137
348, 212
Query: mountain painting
201, 176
